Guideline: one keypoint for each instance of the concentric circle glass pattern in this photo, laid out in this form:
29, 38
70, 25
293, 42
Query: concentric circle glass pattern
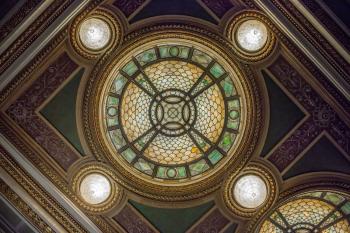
251, 35
172, 112
322, 212
250, 191
95, 188
94, 33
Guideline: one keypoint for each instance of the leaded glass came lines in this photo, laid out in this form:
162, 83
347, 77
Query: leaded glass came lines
310, 212
172, 112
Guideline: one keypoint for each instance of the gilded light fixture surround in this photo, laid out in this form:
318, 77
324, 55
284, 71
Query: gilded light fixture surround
92, 34
247, 207
251, 36
316, 211
170, 112
87, 194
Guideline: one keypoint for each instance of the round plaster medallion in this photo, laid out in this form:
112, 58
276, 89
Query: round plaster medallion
251, 36
95, 188
93, 34
172, 111
252, 190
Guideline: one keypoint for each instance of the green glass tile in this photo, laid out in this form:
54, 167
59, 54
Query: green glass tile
232, 124
112, 111
117, 138
334, 198
181, 172
184, 51
164, 51
174, 51
143, 141
199, 167
227, 141
130, 68
144, 166
118, 84
228, 87
201, 58
217, 70
233, 104
112, 121
112, 101
215, 156
346, 208
129, 155
146, 57
161, 172
234, 114
171, 172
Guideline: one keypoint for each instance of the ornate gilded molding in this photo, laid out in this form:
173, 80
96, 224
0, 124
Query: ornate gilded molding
231, 31
24, 209
32, 33
206, 184
39, 194
107, 16
252, 169
24, 11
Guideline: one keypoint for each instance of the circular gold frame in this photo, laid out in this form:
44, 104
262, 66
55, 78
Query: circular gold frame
253, 169
167, 191
113, 199
243, 54
113, 23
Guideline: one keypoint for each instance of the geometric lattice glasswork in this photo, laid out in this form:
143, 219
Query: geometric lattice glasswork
172, 112
94, 33
251, 35
325, 212
250, 191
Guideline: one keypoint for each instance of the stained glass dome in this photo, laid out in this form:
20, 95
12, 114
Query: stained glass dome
172, 112
324, 212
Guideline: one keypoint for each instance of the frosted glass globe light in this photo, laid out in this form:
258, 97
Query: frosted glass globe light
250, 191
252, 35
95, 188
94, 33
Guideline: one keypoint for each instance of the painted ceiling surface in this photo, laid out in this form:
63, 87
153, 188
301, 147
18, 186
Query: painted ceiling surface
172, 111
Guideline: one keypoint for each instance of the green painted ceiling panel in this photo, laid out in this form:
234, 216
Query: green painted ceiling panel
172, 220
323, 156
284, 114
60, 111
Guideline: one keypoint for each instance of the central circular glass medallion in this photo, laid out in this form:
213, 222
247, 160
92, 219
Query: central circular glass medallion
172, 112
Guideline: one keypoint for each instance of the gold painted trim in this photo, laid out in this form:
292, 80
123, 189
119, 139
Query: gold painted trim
29, 214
